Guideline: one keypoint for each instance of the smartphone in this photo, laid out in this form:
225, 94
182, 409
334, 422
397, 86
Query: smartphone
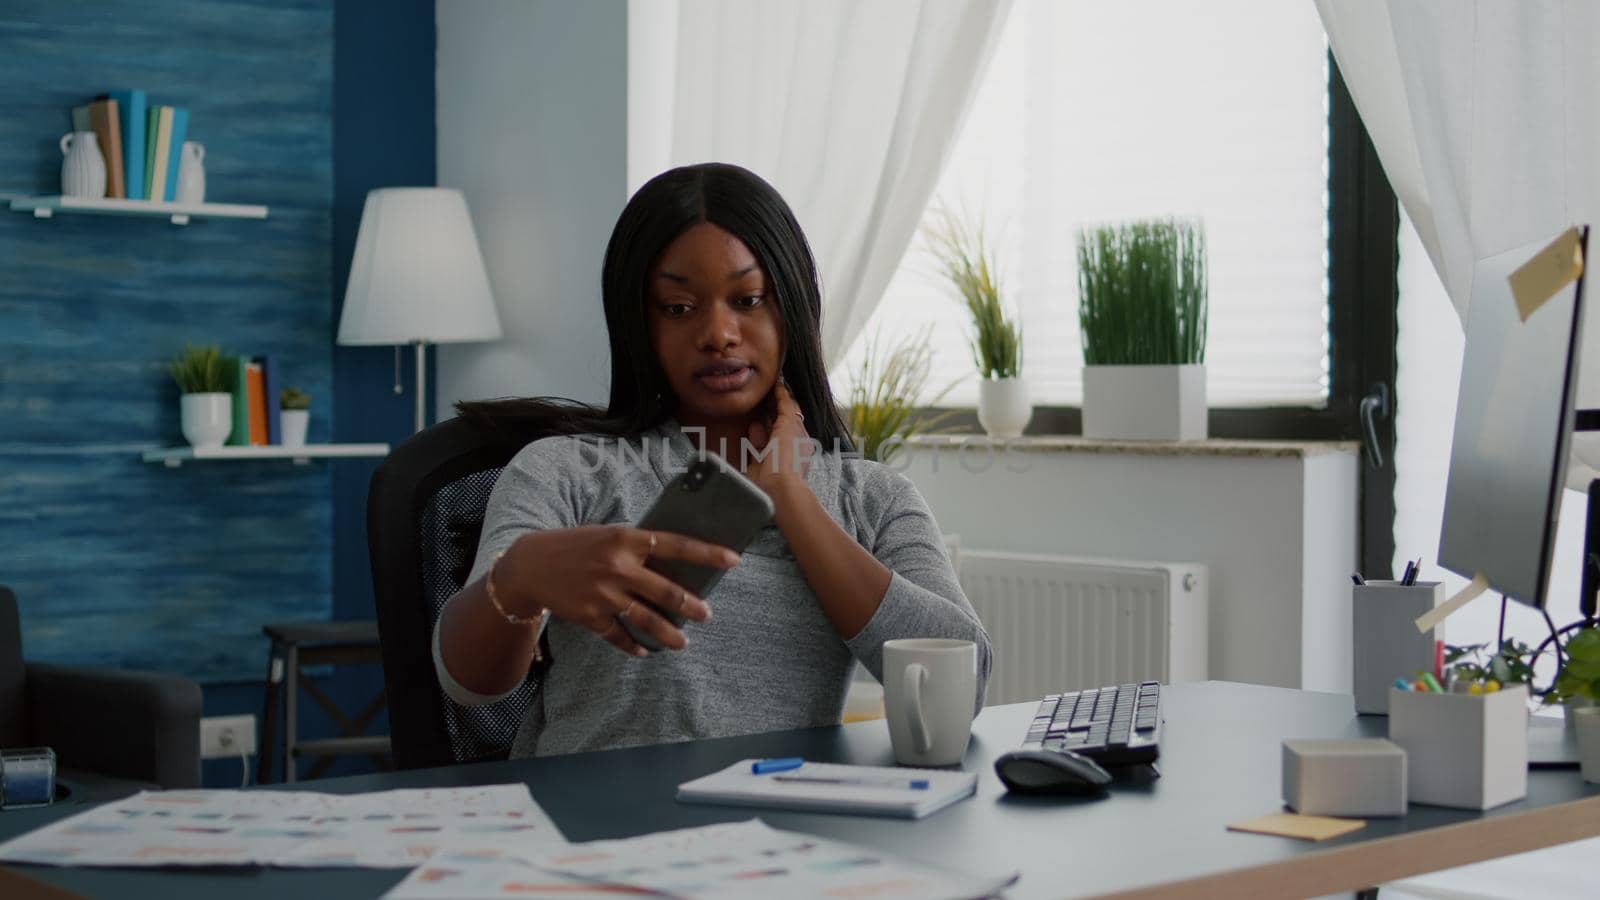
710, 502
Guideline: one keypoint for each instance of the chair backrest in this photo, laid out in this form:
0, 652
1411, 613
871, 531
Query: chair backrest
424, 514
13, 697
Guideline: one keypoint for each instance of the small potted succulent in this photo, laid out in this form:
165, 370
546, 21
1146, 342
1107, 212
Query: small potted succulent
206, 405
294, 411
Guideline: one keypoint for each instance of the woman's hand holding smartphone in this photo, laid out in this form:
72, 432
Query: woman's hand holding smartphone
596, 576
711, 504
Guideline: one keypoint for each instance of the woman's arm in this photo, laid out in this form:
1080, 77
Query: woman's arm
541, 559
848, 580
902, 587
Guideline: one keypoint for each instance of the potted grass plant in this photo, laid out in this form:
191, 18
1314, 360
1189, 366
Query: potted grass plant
294, 415
886, 393
1142, 296
968, 263
205, 407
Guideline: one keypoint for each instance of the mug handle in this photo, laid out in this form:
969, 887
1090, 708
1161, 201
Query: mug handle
66, 143
913, 677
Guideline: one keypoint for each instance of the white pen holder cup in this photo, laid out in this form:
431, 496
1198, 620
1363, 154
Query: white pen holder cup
1385, 638
930, 692
1464, 750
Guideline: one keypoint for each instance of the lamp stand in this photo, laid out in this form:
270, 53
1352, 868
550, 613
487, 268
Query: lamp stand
422, 383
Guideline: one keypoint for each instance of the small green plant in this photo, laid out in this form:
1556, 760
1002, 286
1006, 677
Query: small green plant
1580, 674
200, 370
966, 260
1511, 664
1142, 293
885, 395
294, 398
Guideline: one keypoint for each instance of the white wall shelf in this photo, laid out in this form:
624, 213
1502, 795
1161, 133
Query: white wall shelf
179, 213
177, 456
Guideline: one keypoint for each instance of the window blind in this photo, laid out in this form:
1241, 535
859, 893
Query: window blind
1098, 112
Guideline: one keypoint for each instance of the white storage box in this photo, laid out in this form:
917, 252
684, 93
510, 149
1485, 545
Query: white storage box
1357, 777
1466, 750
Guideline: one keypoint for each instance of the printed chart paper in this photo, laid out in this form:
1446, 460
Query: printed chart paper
736, 860
384, 830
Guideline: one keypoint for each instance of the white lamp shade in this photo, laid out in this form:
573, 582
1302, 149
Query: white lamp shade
417, 273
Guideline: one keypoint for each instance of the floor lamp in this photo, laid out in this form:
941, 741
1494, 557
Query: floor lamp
417, 277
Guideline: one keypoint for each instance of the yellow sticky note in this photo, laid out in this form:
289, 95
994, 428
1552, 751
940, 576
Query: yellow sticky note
1445, 610
1309, 828
1550, 270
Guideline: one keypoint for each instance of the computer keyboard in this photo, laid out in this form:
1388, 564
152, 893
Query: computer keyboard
1117, 725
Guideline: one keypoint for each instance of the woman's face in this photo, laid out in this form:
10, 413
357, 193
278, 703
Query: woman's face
714, 325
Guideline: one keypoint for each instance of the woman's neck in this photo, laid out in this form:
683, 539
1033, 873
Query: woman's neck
723, 438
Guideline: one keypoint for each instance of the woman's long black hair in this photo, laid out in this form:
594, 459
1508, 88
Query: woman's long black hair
739, 202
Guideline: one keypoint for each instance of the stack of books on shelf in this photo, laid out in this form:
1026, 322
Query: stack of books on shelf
141, 143
257, 419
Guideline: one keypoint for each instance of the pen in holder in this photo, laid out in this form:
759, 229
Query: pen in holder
1385, 638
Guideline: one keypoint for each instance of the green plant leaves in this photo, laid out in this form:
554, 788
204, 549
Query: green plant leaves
886, 393
1142, 293
200, 370
967, 261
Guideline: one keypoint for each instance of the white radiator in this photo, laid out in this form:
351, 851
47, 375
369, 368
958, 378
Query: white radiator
1062, 623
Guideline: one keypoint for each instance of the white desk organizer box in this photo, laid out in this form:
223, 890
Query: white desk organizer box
1357, 777
1465, 750
1385, 639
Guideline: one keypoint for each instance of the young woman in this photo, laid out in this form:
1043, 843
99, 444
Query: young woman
713, 308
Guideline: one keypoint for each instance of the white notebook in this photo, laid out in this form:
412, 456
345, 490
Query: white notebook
865, 790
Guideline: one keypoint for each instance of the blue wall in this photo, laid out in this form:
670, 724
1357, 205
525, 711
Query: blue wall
303, 106
116, 561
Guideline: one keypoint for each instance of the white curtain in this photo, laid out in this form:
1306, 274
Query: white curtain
848, 108
1485, 113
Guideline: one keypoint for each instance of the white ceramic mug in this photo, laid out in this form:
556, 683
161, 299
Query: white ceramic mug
930, 692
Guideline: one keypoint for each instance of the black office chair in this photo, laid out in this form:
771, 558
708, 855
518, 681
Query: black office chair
115, 732
424, 515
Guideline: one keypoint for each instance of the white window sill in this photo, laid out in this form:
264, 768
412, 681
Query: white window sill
1232, 447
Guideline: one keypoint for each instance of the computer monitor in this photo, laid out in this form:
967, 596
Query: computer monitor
1514, 420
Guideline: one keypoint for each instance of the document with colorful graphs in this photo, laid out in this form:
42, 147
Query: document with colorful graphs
387, 829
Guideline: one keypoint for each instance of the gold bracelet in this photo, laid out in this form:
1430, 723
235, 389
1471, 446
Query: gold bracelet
488, 588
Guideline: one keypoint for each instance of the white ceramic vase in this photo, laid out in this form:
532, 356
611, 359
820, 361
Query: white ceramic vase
1144, 403
83, 168
192, 173
1571, 705
1003, 406
293, 424
1586, 720
207, 418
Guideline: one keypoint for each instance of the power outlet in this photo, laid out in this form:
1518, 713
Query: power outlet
227, 736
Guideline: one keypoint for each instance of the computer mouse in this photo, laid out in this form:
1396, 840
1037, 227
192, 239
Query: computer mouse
1051, 772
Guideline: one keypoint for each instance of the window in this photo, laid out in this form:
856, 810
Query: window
1096, 112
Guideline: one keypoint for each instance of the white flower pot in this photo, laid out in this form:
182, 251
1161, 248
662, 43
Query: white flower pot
1571, 705
1586, 720
206, 418
1003, 407
293, 423
1145, 403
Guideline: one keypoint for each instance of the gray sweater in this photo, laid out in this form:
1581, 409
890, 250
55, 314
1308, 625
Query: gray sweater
768, 659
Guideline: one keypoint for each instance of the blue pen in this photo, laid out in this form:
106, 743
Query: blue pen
904, 784
1401, 684
781, 764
